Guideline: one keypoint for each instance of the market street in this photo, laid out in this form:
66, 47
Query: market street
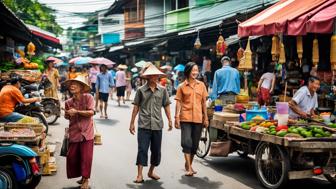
114, 162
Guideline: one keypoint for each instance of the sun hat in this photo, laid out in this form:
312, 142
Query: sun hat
81, 80
152, 70
123, 67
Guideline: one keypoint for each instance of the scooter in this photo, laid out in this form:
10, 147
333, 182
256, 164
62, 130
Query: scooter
51, 106
19, 167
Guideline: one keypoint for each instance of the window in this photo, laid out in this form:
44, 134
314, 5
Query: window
179, 4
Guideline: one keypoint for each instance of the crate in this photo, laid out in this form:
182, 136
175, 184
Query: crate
37, 127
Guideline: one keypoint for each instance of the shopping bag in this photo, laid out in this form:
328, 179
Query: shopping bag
97, 136
65, 144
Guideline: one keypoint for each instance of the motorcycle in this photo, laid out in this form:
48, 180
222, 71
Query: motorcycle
19, 167
51, 106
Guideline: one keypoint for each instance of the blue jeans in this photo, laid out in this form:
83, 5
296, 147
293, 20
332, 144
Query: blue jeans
13, 117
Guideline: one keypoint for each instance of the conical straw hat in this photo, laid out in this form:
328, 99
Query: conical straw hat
81, 80
123, 67
152, 70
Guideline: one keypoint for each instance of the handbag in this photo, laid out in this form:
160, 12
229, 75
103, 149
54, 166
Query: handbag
220, 149
97, 136
65, 143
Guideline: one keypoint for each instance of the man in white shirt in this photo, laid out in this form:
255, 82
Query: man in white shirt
304, 101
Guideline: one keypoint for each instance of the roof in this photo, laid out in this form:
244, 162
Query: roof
117, 7
45, 37
288, 17
13, 26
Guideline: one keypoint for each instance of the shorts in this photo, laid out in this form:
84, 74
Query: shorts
103, 97
121, 91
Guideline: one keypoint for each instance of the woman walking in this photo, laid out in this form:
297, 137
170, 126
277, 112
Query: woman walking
191, 114
72, 74
121, 83
93, 73
79, 110
53, 76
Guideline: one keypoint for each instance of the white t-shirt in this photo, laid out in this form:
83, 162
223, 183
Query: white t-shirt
304, 100
267, 80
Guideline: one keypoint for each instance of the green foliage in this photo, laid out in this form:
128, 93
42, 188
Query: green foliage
34, 13
7, 65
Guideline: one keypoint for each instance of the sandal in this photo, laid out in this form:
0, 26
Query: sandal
189, 174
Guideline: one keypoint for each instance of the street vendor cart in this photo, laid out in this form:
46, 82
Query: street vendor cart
279, 159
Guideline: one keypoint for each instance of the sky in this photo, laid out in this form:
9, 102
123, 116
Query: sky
66, 7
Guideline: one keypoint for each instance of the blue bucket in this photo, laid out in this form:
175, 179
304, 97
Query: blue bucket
218, 108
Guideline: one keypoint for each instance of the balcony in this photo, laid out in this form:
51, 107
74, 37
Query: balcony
177, 19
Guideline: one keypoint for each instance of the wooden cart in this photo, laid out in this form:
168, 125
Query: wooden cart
280, 159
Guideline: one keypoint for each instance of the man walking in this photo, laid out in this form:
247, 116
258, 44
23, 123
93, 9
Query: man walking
226, 83
148, 101
104, 83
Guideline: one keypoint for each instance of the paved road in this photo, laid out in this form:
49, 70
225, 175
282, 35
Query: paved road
114, 162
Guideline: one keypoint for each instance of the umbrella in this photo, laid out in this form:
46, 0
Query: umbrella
134, 69
179, 67
80, 60
54, 59
140, 64
101, 61
61, 64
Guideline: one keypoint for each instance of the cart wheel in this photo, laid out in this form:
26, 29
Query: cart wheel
204, 144
242, 153
272, 165
331, 178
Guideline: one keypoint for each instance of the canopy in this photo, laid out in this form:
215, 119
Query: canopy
80, 60
291, 17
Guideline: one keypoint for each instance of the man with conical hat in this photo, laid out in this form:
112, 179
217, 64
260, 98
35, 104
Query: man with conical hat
79, 110
148, 102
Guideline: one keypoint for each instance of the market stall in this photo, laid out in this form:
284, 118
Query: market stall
292, 34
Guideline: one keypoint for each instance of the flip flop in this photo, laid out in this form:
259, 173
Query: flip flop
139, 181
79, 181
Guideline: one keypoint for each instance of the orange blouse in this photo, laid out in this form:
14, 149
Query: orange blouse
192, 99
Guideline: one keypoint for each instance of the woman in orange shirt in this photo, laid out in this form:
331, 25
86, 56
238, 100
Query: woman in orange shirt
72, 73
191, 113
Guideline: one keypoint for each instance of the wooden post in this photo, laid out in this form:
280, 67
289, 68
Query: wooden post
285, 92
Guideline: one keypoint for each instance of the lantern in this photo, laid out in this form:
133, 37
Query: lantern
220, 46
31, 49
197, 43
282, 56
299, 47
315, 58
275, 48
333, 51
245, 63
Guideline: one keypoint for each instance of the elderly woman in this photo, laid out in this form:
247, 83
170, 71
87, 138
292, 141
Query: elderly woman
79, 110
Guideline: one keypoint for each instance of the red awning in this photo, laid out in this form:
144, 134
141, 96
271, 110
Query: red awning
47, 37
275, 19
323, 21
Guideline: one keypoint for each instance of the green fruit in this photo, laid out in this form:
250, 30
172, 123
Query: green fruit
327, 134
273, 132
295, 131
246, 127
272, 127
281, 133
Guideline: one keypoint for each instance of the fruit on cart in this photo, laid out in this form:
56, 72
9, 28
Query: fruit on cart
281, 127
281, 133
246, 126
261, 130
253, 129
332, 125
272, 130
27, 119
258, 118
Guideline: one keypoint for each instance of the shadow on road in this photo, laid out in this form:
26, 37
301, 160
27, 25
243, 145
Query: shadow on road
107, 122
150, 184
240, 169
243, 170
200, 183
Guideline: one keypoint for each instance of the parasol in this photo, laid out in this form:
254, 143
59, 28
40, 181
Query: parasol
140, 64
101, 61
179, 67
54, 59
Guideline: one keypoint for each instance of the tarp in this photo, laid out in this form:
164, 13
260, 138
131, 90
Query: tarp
276, 18
323, 21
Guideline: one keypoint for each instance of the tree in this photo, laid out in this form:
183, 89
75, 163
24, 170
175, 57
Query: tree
34, 13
